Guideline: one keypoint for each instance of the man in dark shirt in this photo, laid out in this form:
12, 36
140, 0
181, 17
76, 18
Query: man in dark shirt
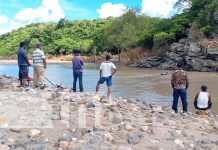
23, 63
77, 70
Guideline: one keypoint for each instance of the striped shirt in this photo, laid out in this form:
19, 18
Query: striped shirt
38, 56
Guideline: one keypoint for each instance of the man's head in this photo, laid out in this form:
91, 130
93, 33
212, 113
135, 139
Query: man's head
108, 57
204, 88
180, 65
76, 52
39, 45
22, 43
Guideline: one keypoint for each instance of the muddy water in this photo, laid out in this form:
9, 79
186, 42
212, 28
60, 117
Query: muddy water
144, 84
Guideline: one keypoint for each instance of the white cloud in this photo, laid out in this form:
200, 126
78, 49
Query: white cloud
157, 8
109, 9
48, 11
3, 19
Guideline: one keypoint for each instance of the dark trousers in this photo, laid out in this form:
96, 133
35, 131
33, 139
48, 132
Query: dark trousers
79, 75
183, 95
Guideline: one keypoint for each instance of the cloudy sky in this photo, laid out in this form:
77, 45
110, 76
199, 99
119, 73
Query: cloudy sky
18, 13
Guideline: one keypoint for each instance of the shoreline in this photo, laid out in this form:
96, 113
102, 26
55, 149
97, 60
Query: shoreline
3, 62
60, 118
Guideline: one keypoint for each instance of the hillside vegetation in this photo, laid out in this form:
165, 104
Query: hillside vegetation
114, 34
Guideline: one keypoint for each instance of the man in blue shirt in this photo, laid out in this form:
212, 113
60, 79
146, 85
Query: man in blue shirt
23, 63
77, 70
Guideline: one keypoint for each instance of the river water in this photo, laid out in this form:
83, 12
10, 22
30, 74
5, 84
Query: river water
144, 84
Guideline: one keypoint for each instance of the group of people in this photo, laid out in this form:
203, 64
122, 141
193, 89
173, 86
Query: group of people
39, 65
180, 84
179, 78
107, 70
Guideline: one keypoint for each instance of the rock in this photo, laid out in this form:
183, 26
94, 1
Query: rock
65, 138
157, 109
144, 128
64, 144
129, 127
212, 53
194, 49
96, 97
134, 138
206, 141
34, 133
108, 137
178, 142
16, 130
116, 120
175, 47
123, 147
79, 132
4, 147
174, 57
216, 125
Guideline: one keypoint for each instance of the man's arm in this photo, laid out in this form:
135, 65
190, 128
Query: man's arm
187, 81
44, 63
26, 58
114, 71
209, 97
196, 96
100, 72
172, 80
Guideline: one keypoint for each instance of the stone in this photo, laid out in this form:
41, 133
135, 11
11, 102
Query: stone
116, 120
16, 130
129, 127
123, 147
96, 97
108, 137
178, 142
216, 125
63, 144
65, 138
4, 147
212, 53
206, 141
134, 138
144, 128
34, 132
194, 49
157, 109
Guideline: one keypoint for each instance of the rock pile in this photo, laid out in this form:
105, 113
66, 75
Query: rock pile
194, 56
88, 121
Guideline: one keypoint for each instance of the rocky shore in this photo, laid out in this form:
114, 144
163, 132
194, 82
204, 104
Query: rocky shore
195, 57
57, 118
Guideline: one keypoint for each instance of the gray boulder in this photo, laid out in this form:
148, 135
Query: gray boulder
174, 57
194, 49
212, 53
134, 138
176, 47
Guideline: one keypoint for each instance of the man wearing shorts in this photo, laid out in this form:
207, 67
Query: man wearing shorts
23, 63
107, 70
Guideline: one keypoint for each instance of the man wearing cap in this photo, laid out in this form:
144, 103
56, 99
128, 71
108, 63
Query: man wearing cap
77, 70
180, 84
39, 64
107, 70
23, 63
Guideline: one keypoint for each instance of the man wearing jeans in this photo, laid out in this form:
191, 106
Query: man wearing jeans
180, 83
107, 70
77, 70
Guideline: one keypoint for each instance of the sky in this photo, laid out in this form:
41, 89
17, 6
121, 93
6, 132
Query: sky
18, 13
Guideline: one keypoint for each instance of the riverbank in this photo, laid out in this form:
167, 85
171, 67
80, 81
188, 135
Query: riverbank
53, 118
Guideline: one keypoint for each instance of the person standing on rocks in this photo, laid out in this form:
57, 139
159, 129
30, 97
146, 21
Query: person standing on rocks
203, 101
180, 84
39, 64
107, 70
77, 70
23, 63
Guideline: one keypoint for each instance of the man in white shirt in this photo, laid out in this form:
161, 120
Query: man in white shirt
39, 64
107, 70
